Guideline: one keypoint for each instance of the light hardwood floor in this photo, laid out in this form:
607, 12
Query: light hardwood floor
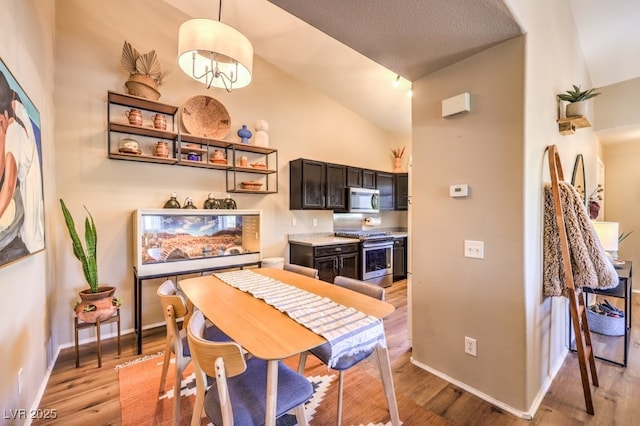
89, 395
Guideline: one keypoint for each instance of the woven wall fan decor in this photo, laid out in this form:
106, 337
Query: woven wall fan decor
205, 116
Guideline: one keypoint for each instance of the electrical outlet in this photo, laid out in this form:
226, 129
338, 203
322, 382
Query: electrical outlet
293, 221
474, 249
314, 222
470, 346
20, 381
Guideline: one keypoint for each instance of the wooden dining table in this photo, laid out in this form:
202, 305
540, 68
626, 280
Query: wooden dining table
271, 335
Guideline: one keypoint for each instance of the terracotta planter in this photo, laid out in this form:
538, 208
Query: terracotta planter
102, 300
397, 164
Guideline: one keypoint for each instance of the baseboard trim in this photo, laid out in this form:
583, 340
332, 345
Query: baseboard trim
526, 415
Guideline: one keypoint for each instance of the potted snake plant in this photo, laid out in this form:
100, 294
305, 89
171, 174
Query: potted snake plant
96, 302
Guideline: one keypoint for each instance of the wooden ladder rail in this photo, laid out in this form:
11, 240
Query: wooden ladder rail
577, 305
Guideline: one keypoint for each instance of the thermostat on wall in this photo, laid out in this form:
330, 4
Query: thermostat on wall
461, 190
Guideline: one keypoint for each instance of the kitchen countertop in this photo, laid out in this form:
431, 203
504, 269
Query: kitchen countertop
325, 239
328, 238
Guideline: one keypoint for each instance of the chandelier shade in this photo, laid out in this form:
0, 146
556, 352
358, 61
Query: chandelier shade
215, 54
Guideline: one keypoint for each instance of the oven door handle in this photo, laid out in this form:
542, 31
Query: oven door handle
377, 244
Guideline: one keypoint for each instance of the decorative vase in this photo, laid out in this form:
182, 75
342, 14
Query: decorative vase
262, 137
211, 203
134, 116
96, 306
188, 204
397, 165
244, 134
162, 149
172, 203
160, 122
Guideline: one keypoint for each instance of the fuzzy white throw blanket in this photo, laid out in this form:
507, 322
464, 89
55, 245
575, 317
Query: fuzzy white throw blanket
589, 262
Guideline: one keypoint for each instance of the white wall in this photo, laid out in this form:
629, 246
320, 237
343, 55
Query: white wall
554, 61
617, 121
302, 123
622, 186
26, 285
453, 296
498, 300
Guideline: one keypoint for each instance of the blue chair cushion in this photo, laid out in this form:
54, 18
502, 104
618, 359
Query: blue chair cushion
323, 353
211, 333
247, 392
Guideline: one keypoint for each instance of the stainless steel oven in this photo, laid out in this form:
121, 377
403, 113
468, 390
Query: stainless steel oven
376, 256
377, 261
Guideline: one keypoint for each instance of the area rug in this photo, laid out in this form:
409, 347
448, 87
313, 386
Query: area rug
364, 402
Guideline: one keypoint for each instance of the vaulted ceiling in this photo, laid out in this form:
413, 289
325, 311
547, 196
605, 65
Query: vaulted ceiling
353, 50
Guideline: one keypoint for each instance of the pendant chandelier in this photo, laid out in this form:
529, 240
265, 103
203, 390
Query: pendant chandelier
214, 53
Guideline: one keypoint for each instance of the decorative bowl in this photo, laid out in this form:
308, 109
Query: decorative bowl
129, 146
251, 185
259, 165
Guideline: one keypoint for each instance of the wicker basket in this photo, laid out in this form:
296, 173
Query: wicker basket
604, 324
143, 86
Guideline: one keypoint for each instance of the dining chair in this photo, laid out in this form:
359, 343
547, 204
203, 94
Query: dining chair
242, 399
175, 307
323, 352
299, 269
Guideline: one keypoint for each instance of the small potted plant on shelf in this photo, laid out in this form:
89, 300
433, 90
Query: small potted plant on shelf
97, 302
577, 106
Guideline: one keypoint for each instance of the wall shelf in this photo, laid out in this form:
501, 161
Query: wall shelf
568, 125
182, 147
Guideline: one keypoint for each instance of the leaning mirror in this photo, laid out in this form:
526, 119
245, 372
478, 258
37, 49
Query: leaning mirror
578, 179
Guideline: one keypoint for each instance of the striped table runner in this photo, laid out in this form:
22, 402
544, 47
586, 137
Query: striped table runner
347, 330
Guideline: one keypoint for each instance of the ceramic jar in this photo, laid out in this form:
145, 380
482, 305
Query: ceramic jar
162, 149
134, 116
160, 122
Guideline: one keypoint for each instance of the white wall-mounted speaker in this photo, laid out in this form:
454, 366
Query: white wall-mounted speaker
456, 105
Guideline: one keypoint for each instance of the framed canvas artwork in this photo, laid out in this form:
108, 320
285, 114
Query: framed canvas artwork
21, 189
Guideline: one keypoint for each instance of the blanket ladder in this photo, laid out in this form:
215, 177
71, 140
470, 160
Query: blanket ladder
577, 305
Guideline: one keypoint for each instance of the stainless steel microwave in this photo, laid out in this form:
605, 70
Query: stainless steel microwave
363, 200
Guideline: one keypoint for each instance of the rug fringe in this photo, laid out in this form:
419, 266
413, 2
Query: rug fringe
138, 360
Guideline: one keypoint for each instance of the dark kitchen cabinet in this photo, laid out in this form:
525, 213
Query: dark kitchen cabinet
335, 187
399, 258
354, 177
369, 179
385, 184
306, 184
316, 185
401, 191
329, 260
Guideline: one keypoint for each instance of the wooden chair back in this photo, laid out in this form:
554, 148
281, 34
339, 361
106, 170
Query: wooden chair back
371, 290
213, 359
303, 270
